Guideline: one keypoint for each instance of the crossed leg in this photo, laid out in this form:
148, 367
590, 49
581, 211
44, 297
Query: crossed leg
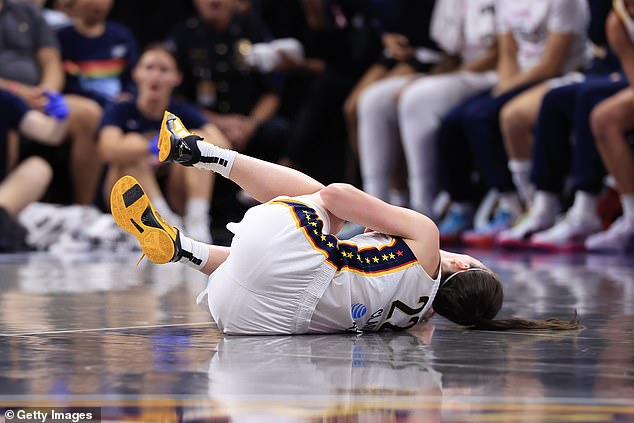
262, 180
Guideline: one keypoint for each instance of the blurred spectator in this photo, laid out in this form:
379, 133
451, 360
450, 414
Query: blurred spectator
415, 104
98, 55
56, 15
565, 110
31, 69
150, 20
129, 135
29, 180
537, 40
611, 120
340, 43
242, 103
404, 26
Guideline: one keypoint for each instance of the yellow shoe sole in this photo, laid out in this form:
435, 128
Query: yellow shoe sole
165, 135
133, 211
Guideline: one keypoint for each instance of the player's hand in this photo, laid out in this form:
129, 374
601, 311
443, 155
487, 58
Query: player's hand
398, 46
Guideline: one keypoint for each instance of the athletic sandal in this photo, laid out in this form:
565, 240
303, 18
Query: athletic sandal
133, 211
176, 143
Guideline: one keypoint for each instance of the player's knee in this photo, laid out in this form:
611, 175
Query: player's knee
602, 120
334, 193
84, 111
409, 105
373, 103
350, 109
37, 166
513, 119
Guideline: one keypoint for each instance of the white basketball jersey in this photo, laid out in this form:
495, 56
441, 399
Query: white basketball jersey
287, 274
379, 285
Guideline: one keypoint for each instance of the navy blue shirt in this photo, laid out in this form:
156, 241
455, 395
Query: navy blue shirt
99, 67
128, 118
214, 76
12, 110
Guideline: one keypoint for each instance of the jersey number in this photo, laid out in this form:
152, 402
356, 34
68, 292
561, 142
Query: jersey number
407, 310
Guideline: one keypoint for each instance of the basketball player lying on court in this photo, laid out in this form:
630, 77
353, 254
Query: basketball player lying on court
286, 273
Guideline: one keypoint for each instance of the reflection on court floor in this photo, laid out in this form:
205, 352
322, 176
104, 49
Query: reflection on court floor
131, 340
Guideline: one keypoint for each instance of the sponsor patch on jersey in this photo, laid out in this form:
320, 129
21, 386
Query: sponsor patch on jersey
358, 311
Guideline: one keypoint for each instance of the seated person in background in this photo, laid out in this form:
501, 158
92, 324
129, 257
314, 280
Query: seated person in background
28, 181
32, 70
412, 106
537, 136
98, 55
611, 120
408, 48
537, 40
242, 103
127, 140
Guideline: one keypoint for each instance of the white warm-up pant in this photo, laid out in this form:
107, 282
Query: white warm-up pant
378, 134
417, 115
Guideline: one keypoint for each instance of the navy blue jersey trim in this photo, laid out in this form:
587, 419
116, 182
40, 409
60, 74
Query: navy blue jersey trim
347, 255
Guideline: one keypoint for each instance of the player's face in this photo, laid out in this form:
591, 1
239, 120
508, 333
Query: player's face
156, 75
92, 10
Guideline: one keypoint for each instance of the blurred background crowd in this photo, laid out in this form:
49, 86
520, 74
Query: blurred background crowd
506, 121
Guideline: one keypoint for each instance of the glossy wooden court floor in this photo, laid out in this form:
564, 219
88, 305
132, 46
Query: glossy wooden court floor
131, 340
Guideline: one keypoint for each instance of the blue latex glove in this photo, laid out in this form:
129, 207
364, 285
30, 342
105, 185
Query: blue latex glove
56, 106
154, 149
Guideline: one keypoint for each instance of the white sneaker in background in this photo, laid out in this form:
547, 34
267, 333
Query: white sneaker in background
486, 209
618, 237
568, 234
519, 235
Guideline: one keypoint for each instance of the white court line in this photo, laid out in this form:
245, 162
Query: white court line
55, 332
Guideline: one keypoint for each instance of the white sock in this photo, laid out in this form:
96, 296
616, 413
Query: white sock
627, 201
585, 205
164, 210
521, 173
510, 202
193, 253
546, 206
197, 207
219, 160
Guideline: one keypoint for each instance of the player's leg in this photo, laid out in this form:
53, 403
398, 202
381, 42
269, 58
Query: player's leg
160, 241
262, 180
24, 185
